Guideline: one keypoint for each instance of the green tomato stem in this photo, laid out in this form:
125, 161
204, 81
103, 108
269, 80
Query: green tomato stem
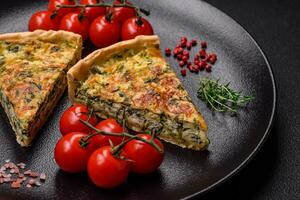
84, 141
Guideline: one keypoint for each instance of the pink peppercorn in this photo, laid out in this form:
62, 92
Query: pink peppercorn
180, 50
179, 56
203, 45
183, 72
185, 58
202, 53
183, 39
181, 63
189, 46
194, 42
208, 68
186, 53
212, 58
168, 51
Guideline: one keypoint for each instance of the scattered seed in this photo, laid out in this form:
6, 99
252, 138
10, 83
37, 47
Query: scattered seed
43, 176
16, 178
21, 165
15, 185
34, 174
17, 171
6, 175
6, 180
31, 181
27, 172
11, 165
20, 180
37, 183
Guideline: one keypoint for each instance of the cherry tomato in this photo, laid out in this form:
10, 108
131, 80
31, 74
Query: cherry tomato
131, 28
69, 121
145, 157
43, 20
61, 11
93, 12
121, 14
105, 170
103, 32
75, 23
70, 156
111, 126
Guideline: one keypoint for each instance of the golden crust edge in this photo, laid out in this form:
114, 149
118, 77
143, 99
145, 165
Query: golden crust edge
42, 34
80, 72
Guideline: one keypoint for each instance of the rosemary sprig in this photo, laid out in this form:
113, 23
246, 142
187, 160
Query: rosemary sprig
220, 97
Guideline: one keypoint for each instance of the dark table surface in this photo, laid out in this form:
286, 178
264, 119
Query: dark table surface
274, 172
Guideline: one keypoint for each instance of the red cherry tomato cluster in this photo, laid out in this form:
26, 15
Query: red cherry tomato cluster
103, 25
202, 60
106, 166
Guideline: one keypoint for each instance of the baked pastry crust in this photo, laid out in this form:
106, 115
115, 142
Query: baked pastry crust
26, 132
80, 73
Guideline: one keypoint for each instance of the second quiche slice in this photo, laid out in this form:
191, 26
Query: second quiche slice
33, 67
131, 82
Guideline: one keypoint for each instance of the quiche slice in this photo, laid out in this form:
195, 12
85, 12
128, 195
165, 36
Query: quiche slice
33, 67
131, 82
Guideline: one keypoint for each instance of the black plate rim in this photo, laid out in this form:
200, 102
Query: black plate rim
269, 127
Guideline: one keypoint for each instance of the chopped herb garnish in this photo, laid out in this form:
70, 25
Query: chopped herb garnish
96, 69
150, 80
39, 86
55, 49
116, 89
14, 48
220, 97
180, 87
2, 60
121, 94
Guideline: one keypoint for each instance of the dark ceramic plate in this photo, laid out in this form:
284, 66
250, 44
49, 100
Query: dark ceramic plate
184, 173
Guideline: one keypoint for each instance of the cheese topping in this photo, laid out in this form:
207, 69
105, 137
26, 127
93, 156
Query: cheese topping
141, 78
29, 70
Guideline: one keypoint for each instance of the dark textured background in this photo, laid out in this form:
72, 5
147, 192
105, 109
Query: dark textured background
274, 172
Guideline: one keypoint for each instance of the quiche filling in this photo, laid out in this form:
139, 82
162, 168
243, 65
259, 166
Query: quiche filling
32, 78
138, 88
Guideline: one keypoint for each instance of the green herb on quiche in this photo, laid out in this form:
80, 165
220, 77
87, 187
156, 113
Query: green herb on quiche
220, 97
